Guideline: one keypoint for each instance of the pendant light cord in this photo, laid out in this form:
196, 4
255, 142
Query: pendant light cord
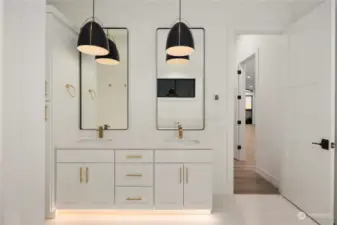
179, 10
93, 9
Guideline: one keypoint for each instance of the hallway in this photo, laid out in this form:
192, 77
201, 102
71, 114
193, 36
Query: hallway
246, 180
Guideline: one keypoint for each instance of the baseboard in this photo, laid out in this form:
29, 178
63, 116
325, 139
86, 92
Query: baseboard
268, 177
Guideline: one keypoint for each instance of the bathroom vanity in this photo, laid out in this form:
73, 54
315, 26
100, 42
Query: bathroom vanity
137, 164
139, 179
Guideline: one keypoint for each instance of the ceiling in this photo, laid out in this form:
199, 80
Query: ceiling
232, 10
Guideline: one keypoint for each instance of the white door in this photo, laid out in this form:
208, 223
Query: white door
169, 186
99, 185
69, 190
198, 186
307, 179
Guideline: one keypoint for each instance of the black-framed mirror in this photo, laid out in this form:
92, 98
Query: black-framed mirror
181, 85
104, 88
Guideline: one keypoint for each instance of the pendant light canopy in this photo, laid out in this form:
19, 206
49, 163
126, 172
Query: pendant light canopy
110, 59
174, 60
180, 40
92, 39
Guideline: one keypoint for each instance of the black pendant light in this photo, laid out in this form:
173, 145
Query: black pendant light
92, 39
174, 60
112, 58
180, 39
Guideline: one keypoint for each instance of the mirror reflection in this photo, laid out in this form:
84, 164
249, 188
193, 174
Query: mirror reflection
181, 85
104, 85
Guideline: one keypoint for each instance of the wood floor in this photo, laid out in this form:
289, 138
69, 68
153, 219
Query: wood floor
246, 180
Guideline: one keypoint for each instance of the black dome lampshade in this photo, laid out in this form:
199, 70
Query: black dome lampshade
92, 39
176, 60
110, 59
180, 40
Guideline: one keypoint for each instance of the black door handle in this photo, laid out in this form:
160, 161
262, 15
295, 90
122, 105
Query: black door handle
325, 144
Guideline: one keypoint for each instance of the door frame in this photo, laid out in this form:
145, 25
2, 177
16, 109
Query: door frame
240, 109
231, 86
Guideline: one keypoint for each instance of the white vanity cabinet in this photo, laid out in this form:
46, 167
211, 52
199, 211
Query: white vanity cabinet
169, 193
198, 186
183, 180
134, 179
85, 182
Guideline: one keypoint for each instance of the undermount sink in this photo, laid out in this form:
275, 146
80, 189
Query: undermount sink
182, 141
94, 139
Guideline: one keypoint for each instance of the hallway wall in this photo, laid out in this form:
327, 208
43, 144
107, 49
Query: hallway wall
23, 156
271, 56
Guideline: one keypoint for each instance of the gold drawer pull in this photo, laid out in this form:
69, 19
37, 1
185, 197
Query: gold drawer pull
134, 199
134, 175
81, 175
134, 156
87, 175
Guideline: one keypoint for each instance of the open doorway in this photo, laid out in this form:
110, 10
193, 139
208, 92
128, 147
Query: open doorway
247, 175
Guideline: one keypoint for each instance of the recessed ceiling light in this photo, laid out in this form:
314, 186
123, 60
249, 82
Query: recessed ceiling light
249, 77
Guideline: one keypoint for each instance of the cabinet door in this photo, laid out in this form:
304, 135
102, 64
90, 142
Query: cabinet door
69, 187
169, 186
198, 186
98, 185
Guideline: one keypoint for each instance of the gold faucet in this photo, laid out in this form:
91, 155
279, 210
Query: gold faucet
100, 131
180, 131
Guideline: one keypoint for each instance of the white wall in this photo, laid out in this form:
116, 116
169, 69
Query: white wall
272, 68
219, 25
23, 168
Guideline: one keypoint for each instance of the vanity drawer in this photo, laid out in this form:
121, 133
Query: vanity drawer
134, 156
134, 197
134, 174
183, 156
90, 156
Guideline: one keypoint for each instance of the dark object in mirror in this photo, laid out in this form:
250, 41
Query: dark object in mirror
176, 88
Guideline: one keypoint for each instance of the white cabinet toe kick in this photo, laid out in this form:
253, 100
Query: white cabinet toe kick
151, 180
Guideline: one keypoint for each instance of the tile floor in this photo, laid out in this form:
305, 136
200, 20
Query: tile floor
237, 210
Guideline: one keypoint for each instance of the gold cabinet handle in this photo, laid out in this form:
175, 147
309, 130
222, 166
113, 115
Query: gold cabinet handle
186, 175
81, 175
134, 175
86, 175
134, 199
134, 156
180, 175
